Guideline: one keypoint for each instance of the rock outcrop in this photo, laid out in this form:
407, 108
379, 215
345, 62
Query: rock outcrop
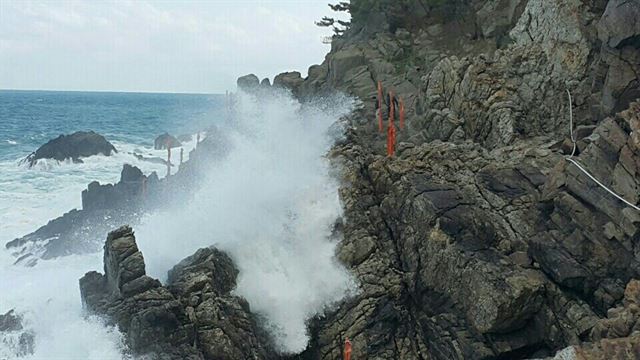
193, 317
479, 240
15, 341
107, 206
166, 141
248, 83
75, 146
104, 207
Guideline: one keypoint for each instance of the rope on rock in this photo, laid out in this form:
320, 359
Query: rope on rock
575, 162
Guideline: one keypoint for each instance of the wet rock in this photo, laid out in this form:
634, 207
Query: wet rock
248, 83
165, 141
619, 24
75, 146
194, 317
14, 339
288, 80
265, 83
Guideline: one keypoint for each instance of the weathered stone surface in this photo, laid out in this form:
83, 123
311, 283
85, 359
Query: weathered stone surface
248, 83
194, 317
478, 240
165, 141
619, 25
14, 339
75, 146
288, 80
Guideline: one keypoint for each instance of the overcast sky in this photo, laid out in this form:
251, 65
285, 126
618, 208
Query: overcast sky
165, 46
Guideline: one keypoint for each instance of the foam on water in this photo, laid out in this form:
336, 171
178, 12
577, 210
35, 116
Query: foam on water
31, 197
47, 295
271, 204
48, 298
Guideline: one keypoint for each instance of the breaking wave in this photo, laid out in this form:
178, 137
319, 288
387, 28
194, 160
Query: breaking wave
271, 204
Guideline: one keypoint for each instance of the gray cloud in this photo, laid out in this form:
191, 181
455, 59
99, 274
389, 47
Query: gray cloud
155, 46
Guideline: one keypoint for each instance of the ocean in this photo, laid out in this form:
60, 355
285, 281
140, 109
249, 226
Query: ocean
270, 202
29, 198
131, 121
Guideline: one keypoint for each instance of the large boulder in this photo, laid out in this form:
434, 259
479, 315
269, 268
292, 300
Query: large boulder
289, 80
193, 317
165, 141
248, 83
75, 146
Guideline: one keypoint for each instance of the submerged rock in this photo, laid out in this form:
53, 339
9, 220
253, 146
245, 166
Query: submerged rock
75, 146
194, 316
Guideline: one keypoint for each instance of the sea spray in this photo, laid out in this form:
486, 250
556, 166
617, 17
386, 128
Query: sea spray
47, 296
271, 204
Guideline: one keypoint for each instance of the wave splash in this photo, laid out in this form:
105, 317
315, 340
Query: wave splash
271, 204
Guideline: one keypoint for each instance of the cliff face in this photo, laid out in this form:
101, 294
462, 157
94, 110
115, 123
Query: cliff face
193, 317
478, 239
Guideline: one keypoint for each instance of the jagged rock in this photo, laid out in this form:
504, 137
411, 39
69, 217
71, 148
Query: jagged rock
288, 80
10, 321
248, 83
14, 339
619, 25
165, 141
155, 160
126, 193
75, 146
185, 137
194, 317
265, 83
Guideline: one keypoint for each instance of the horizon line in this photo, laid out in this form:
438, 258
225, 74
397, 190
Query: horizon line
115, 91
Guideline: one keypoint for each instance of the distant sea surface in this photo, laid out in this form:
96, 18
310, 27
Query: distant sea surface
131, 121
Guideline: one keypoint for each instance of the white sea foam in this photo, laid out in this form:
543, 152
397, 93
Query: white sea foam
48, 295
31, 197
271, 204
48, 298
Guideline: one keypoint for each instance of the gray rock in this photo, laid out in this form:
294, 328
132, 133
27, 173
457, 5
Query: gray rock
75, 146
248, 83
162, 321
165, 141
619, 24
13, 337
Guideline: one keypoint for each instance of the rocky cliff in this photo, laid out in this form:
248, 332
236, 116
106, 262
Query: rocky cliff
193, 317
478, 239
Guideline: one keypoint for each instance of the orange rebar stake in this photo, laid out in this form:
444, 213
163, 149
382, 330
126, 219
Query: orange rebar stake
401, 105
347, 349
380, 125
391, 128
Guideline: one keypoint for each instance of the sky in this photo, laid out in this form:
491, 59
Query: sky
156, 46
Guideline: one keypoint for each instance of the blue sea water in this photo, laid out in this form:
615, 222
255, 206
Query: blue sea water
28, 119
47, 295
29, 197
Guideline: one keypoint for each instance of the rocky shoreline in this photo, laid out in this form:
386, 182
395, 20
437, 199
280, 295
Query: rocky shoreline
478, 239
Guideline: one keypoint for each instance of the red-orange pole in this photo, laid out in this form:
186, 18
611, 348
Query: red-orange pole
347, 349
380, 125
401, 105
391, 128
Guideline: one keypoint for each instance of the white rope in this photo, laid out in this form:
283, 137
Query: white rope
574, 162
